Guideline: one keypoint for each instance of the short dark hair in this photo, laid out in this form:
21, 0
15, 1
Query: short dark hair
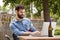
18, 7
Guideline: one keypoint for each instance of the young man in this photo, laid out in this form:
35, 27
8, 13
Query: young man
20, 25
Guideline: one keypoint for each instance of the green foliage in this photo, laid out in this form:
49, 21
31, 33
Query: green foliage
58, 22
54, 6
57, 32
4, 9
55, 16
28, 14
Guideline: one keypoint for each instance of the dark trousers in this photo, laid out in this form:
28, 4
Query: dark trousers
15, 37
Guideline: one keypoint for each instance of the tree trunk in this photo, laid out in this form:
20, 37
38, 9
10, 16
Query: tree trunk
46, 11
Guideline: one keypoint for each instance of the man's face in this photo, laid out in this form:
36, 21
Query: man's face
21, 13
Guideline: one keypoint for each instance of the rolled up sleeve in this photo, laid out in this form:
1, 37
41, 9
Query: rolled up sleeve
15, 30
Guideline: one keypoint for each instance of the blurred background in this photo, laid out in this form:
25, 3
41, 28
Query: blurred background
37, 10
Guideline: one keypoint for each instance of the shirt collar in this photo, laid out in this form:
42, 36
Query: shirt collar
18, 20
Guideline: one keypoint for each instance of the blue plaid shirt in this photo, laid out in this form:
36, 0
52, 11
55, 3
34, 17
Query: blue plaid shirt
18, 27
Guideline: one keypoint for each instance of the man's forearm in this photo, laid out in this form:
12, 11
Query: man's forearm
26, 33
30, 33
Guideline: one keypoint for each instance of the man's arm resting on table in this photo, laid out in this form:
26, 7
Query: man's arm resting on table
29, 33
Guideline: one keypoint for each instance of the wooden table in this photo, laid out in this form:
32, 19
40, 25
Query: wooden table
38, 38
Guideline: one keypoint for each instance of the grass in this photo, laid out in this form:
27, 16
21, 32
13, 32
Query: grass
57, 31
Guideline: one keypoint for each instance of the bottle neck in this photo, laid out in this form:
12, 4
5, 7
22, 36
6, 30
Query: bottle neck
50, 22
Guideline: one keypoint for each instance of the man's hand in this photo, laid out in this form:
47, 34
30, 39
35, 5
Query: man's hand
34, 33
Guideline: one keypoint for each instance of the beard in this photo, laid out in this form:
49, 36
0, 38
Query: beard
20, 16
